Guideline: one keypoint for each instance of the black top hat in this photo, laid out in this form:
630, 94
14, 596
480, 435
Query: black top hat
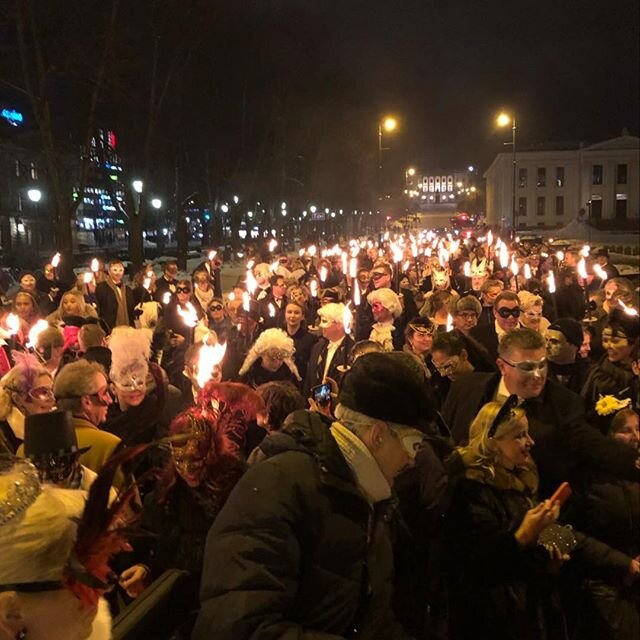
50, 434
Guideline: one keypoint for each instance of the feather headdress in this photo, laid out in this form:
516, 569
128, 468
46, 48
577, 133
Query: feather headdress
130, 351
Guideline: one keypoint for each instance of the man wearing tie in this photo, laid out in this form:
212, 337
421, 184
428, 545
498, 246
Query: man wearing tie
331, 351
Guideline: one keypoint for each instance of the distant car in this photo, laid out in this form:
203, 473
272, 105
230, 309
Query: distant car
463, 220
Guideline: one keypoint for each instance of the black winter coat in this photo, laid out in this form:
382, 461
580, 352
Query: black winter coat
296, 552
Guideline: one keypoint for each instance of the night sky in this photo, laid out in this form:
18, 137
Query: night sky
302, 84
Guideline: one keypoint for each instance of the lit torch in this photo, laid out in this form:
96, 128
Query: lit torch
212, 254
87, 277
601, 273
449, 322
209, 358
346, 319
273, 243
34, 332
95, 265
55, 261
467, 269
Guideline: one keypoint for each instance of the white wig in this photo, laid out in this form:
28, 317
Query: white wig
130, 351
271, 339
388, 299
529, 300
332, 312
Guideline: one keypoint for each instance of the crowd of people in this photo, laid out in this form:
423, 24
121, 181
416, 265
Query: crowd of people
359, 441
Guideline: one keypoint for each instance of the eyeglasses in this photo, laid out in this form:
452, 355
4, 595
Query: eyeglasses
468, 315
102, 396
528, 367
447, 367
216, 307
42, 394
183, 289
505, 312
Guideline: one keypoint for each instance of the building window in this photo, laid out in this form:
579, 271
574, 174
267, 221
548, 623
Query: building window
621, 174
17, 168
559, 176
540, 205
522, 207
522, 178
542, 177
621, 206
596, 174
559, 205
595, 210
34, 171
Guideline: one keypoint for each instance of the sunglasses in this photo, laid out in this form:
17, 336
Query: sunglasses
528, 367
183, 289
505, 312
216, 307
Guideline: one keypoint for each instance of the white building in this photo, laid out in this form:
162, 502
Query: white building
553, 185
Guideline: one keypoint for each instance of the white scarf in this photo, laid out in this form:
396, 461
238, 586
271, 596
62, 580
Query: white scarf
381, 332
203, 297
371, 483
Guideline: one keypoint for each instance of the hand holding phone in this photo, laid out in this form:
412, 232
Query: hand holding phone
562, 494
321, 394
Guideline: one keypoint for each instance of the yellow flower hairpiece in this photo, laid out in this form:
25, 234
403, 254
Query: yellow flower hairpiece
607, 405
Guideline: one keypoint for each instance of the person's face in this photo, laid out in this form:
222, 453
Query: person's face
381, 313
71, 306
363, 279
465, 321
273, 359
116, 271
629, 433
24, 306
232, 309
183, 293
421, 342
515, 446
39, 399
380, 278
98, 401
202, 283
49, 272
531, 318
477, 281
297, 295
216, 311
507, 314
332, 331
616, 344
279, 288
28, 283
447, 366
490, 295
585, 348
189, 458
440, 280
524, 371
131, 390
171, 271
611, 294
559, 349
262, 276
389, 452
602, 260
293, 315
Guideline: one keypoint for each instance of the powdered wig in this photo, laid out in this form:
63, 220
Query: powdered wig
20, 379
130, 350
275, 339
528, 300
388, 299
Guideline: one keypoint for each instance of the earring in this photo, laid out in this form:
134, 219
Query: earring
22, 634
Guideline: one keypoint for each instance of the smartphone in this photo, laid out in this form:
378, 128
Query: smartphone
321, 394
562, 493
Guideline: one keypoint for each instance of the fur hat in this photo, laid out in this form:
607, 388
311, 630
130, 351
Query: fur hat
271, 339
570, 328
387, 386
388, 299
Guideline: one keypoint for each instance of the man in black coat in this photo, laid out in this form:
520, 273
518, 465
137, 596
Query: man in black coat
166, 283
565, 442
212, 265
301, 548
331, 351
273, 305
564, 338
506, 314
115, 299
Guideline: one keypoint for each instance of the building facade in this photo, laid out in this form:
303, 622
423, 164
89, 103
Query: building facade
552, 185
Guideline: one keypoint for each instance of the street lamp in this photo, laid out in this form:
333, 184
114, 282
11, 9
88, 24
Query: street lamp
137, 186
504, 120
387, 124
34, 195
156, 203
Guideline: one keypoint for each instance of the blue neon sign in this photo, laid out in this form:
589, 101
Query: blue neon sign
13, 117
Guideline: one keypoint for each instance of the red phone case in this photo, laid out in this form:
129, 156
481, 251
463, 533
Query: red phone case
562, 493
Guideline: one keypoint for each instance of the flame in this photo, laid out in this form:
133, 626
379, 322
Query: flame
212, 254
251, 263
275, 266
188, 315
514, 265
209, 357
146, 283
353, 267
356, 294
55, 261
527, 271
245, 301
231, 297
582, 268
560, 256
551, 282
13, 324
414, 250
273, 243
301, 253
252, 283
35, 331
406, 265
489, 238
344, 262
467, 269
346, 319
313, 287
87, 277
272, 310
504, 256
585, 251
312, 250
397, 252
166, 298
600, 272
630, 311
449, 322
95, 265
323, 273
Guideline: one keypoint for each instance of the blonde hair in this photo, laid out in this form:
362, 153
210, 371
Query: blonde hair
481, 451
19, 379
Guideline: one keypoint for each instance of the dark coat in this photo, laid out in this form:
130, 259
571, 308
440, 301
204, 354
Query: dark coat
277, 319
214, 274
304, 343
570, 302
486, 335
572, 375
313, 375
163, 286
605, 378
565, 442
257, 375
296, 552
108, 304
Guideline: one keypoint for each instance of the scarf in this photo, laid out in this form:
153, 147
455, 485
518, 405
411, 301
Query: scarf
381, 332
371, 483
203, 297
122, 316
